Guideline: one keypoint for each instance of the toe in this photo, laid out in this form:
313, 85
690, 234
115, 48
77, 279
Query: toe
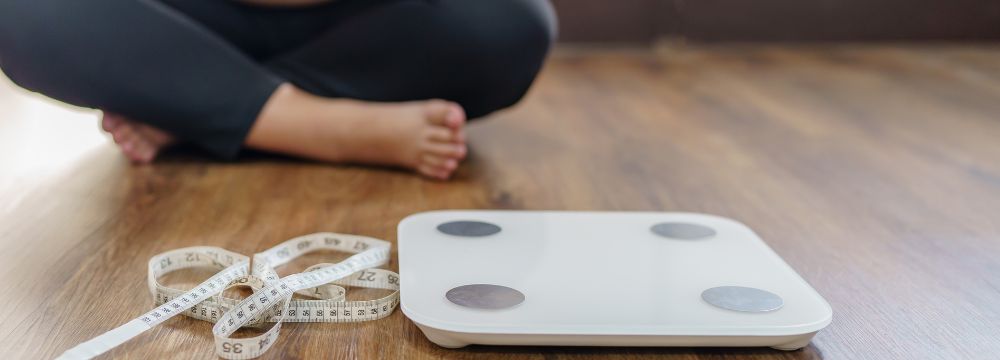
440, 134
142, 151
455, 118
138, 151
433, 173
122, 134
449, 150
128, 147
439, 162
110, 122
445, 113
146, 155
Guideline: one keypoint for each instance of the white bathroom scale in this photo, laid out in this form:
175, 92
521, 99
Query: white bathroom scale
600, 279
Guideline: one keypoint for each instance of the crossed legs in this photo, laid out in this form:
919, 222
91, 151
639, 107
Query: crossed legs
364, 84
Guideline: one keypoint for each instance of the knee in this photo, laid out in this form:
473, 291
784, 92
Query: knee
510, 34
511, 26
26, 29
42, 46
505, 43
11, 36
544, 16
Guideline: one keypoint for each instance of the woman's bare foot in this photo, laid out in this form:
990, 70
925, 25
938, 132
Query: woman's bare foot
139, 142
425, 136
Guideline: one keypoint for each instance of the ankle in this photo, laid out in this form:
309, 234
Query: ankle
280, 123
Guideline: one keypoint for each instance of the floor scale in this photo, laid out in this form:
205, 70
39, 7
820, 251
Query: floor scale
600, 279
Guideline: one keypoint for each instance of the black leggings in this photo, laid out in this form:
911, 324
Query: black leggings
202, 69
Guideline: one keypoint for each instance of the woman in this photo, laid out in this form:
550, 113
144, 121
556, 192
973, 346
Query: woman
387, 82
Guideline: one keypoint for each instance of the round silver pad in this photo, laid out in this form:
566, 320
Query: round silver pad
683, 231
485, 296
745, 299
468, 228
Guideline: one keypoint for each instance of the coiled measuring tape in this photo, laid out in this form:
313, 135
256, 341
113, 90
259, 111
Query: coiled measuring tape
271, 301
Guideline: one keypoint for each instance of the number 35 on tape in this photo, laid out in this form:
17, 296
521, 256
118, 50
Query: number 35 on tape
271, 302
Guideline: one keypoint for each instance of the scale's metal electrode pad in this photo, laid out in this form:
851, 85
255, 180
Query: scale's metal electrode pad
485, 296
600, 278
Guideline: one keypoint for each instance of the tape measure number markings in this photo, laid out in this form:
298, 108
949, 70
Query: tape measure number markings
271, 301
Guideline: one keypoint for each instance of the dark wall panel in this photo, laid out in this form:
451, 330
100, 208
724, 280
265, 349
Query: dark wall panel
778, 20
608, 20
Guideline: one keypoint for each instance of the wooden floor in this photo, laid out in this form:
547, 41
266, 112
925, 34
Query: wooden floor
874, 171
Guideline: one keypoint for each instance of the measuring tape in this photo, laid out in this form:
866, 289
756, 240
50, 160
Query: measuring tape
271, 301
